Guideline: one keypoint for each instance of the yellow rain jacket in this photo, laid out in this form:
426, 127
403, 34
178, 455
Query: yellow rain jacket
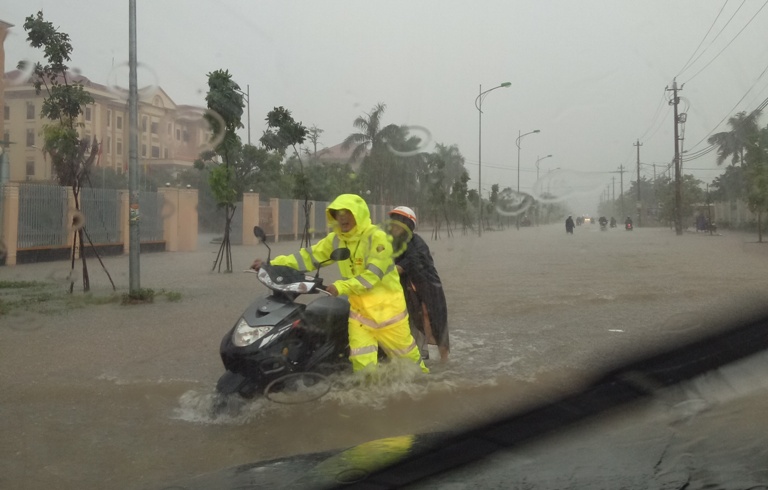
370, 279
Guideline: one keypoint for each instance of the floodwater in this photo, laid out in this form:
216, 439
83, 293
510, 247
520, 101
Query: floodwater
116, 396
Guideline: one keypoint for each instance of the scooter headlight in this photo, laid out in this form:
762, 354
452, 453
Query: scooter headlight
245, 335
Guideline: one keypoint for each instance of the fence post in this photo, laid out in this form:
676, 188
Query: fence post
171, 218
10, 221
250, 216
186, 219
124, 217
70, 217
296, 207
274, 203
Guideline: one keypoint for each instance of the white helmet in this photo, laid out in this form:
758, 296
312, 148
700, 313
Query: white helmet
405, 212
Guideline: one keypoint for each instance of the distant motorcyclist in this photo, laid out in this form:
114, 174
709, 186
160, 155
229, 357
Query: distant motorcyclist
603, 221
628, 223
613, 222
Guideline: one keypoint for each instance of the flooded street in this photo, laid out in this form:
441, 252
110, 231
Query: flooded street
111, 396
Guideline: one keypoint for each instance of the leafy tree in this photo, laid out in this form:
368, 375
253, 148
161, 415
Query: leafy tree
692, 194
729, 186
72, 156
756, 163
313, 135
372, 138
282, 132
226, 104
734, 143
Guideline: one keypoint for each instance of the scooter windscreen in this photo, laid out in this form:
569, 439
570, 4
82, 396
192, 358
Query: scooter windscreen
282, 278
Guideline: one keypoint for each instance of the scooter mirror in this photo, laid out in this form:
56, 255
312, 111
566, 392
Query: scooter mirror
259, 233
340, 254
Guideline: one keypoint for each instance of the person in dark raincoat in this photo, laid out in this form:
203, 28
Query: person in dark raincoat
569, 225
424, 295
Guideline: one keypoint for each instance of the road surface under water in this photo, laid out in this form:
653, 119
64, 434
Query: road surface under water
113, 396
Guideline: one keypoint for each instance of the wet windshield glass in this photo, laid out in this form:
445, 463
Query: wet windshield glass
530, 194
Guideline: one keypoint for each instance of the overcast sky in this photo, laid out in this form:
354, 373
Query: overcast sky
589, 74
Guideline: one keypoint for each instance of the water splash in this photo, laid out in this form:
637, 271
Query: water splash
422, 134
512, 203
118, 76
26, 69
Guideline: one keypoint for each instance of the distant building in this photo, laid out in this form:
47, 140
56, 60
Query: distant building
335, 154
170, 135
4, 26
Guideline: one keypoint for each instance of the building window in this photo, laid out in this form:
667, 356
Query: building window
144, 123
186, 136
30, 168
109, 145
155, 152
87, 113
109, 118
170, 131
30, 110
119, 147
119, 122
143, 150
178, 135
165, 153
7, 113
7, 137
30, 138
154, 128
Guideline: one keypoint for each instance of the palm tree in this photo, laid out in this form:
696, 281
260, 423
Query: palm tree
371, 139
734, 143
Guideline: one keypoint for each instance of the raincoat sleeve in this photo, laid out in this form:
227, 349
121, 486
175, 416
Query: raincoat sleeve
307, 259
378, 263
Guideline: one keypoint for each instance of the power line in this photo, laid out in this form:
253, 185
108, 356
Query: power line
705, 37
731, 41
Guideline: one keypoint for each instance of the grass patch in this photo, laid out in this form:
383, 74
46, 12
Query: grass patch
22, 284
148, 295
52, 298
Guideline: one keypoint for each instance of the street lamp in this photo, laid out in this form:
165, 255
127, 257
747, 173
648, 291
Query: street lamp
247, 96
479, 107
517, 143
537, 165
537, 182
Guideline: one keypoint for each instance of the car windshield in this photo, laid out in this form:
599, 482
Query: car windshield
584, 183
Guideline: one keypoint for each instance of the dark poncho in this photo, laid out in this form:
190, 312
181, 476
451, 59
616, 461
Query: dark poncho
422, 286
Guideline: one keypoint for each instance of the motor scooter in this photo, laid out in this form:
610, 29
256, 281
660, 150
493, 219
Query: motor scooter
277, 337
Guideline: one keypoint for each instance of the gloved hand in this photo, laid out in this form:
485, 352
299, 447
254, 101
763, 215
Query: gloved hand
256, 264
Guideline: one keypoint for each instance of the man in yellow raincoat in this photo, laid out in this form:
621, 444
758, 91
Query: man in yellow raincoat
377, 315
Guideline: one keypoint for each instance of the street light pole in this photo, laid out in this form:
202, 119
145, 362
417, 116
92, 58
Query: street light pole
537, 165
248, 102
479, 107
517, 143
537, 182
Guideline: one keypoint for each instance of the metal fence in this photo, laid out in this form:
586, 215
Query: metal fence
285, 216
101, 209
151, 223
42, 216
44, 221
2, 214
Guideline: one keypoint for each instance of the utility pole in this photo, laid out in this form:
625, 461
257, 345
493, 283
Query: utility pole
621, 195
134, 213
678, 185
613, 180
639, 202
